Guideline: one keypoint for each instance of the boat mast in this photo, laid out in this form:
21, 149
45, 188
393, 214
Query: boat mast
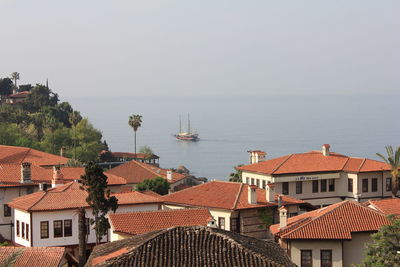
180, 124
188, 124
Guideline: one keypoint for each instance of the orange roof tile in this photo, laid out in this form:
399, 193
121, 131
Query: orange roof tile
387, 206
15, 154
136, 223
11, 174
136, 172
54, 199
315, 162
223, 195
34, 256
336, 221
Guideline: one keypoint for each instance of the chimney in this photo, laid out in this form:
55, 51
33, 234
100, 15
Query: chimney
169, 175
26, 175
325, 149
270, 193
282, 217
58, 177
256, 156
252, 194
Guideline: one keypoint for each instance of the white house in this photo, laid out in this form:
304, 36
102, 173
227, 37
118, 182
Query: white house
50, 218
320, 177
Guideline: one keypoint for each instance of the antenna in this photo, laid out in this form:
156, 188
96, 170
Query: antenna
180, 124
188, 124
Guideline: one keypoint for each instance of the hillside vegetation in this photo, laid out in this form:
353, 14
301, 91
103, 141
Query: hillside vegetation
42, 122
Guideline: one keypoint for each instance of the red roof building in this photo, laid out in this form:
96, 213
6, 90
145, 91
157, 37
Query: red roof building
338, 232
235, 206
387, 206
321, 177
135, 223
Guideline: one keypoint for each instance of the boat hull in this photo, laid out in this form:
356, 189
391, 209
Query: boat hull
187, 137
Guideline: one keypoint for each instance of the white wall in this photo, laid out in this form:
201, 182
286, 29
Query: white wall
72, 214
316, 246
25, 217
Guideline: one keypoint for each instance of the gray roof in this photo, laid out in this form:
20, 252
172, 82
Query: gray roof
190, 246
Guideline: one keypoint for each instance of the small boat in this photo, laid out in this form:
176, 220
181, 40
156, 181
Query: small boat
187, 136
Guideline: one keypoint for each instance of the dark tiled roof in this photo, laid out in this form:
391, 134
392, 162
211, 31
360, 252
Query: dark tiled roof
189, 246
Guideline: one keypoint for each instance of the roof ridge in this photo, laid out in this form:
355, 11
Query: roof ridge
362, 164
43, 195
345, 163
237, 196
161, 211
274, 170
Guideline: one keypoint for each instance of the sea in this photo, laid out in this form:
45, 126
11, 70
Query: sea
229, 126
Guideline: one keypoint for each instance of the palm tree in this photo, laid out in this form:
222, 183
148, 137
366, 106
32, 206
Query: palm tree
15, 77
393, 159
135, 121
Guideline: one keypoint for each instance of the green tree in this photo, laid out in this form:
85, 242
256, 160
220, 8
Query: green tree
236, 176
393, 159
135, 121
158, 185
385, 248
95, 183
5, 87
74, 118
40, 97
25, 87
15, 77
88, 140
147, 151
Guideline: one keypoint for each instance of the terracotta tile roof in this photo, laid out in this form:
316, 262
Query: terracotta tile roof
190, 246
151, 193
34, 256
336, 221
387, 206
315, 162
55, 199
11, 174
136, 172
132, 155
16, 154
223, 195
136, 223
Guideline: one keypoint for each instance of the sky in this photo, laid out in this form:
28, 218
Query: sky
203, 48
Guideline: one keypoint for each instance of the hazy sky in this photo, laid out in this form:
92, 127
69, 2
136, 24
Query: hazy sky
203, 47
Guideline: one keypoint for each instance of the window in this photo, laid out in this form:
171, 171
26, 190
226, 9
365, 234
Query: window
7, 210
374, 185
235, 225
306, 258
323, 185
67, 227
350, 185
285, 188
315, 186
263, 184
221, 223
252, 181
299, 187
331, 185
27, 231
365, 185
326, 258
258, 183
58, 228
247, 180
44, 229
388, 184
23, 230
17, 228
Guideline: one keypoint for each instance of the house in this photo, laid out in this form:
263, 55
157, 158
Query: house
330, 236
189, 246
236, 207
387, 206
21, 179
135, 172
50, 218
38, 257
125, 225
18, 155
127, 156
320, 177
17, 97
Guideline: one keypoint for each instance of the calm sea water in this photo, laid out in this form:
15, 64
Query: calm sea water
229, 126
